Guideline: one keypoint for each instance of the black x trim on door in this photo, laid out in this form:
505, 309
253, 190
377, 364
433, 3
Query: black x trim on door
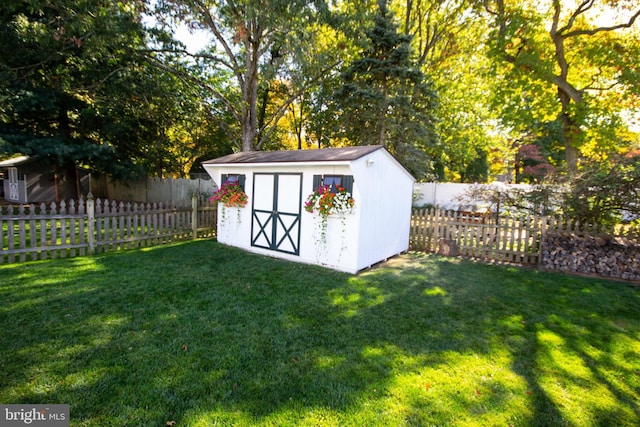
276, 215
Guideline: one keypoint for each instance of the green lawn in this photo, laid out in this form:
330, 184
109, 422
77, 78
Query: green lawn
199, 334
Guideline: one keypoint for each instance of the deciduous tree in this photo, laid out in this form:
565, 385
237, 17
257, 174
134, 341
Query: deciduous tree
56, 58
561, 63
254, 44
75, 91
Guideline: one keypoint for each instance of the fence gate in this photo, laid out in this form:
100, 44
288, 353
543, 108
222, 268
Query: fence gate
277, 201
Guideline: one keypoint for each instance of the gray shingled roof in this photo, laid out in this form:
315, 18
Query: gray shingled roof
295, 156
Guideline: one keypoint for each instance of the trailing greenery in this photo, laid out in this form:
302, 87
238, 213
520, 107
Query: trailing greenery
202, 334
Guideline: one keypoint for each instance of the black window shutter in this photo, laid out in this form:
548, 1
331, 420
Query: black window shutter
223, 179
347, 183
241, 181
317, 182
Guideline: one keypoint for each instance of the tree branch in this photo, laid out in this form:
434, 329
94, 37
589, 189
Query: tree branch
597, 30
73, 44
566, 87
499, 13
231, 132
185, 52
282, 109
211, 23
582, 8
187, 77
592, 85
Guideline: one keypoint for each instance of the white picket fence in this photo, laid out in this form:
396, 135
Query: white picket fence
76, 228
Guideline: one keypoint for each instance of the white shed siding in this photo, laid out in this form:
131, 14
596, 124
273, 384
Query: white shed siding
385, 215
234, 223
376, 229
339, 249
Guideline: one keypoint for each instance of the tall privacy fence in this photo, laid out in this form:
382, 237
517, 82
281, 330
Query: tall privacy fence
149, 190
67, 229
547, 242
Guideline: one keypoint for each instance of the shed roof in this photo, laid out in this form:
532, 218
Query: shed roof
295, 156
15, 161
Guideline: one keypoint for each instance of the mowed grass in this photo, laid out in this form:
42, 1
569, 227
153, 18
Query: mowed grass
199, 334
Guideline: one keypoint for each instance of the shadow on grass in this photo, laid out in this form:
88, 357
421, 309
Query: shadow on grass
200, 334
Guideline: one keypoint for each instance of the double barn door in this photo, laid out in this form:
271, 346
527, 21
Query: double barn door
275, 219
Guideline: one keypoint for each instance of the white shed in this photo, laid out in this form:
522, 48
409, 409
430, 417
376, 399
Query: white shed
274, 222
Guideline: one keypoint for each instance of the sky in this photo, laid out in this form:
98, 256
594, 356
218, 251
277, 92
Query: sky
194, 40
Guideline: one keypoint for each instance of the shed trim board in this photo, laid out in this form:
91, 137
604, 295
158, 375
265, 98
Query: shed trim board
15, 161
267, 164
275, 224
292, 156
344, 155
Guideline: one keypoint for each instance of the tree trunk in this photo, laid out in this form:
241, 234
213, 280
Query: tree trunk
570, 131
250, 93
383, 113
567, 94
249, 110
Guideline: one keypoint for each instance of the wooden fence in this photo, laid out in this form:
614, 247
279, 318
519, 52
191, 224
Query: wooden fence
67, 229
492, 238
477, 236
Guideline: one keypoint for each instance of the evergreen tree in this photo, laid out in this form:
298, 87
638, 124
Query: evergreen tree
75, 92
386, 99
57, 57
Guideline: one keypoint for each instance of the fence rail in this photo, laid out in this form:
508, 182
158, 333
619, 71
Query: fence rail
67, 229
494, 238
76, 228
477, 236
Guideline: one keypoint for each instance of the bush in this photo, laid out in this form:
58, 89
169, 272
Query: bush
604, 194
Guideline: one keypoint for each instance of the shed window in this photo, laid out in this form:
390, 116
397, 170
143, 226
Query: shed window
233, 179
334, 181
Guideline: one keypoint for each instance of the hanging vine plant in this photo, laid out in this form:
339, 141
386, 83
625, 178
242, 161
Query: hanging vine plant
231, 195
326, 203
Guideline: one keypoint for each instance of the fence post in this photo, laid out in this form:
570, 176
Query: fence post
436, 230
194, 216
91, 217
544, 225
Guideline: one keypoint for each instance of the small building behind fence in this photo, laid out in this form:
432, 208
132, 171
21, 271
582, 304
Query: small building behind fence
26, 179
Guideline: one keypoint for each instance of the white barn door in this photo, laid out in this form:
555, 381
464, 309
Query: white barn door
277, 202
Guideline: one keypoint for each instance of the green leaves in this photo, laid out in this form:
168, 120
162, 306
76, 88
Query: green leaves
563, 64
75, 90
385, 99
